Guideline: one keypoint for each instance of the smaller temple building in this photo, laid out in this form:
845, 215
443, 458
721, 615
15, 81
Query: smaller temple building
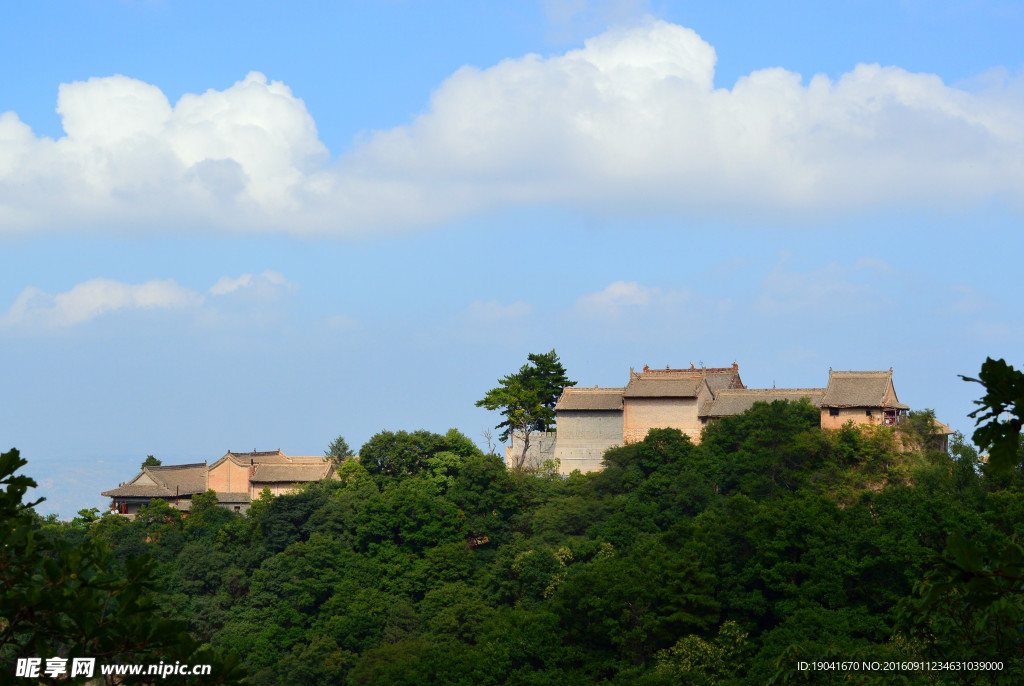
860, 397
237, 478
175, 484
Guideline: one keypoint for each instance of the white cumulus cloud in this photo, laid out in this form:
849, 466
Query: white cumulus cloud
631, 122
238, 157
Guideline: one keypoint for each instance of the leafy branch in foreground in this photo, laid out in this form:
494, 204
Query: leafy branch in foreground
970, 604
1004, 392
60, 599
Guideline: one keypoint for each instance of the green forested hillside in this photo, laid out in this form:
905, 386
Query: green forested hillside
771, 542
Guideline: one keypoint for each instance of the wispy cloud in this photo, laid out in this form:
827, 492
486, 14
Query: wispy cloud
266, 286
631, 122
36, 310
226, 284
343, 323
93, 298
492, 311
622, 296
835, 289
571, 20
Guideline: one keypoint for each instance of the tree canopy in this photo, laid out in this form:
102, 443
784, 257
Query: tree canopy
526, 399
727, 561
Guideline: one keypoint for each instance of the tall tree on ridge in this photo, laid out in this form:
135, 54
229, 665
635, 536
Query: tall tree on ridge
527, 399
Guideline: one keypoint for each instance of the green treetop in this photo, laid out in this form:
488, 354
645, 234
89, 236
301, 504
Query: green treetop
338, 450
527, 398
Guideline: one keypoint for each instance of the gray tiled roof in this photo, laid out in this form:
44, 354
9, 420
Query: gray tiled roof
664, 386
130, 490
232, 497
732, 402
188, 478
721, 380
858, 389
259, 453
169, 481
590, 399
290, 473
266, 457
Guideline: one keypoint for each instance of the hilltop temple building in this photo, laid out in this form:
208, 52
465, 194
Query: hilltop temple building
589, 421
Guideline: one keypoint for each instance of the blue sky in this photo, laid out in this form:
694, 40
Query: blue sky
243, 226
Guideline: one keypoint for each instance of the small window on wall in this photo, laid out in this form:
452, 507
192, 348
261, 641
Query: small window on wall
867, 412
833, 412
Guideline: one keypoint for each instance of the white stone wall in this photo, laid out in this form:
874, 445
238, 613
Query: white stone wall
542, 447
584, 436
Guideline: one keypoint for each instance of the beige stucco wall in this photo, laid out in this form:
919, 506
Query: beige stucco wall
229, 477
858, 415
640, 415
276, 488
584, 436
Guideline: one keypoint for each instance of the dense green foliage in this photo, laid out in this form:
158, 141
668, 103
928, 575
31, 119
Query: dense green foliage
771, 542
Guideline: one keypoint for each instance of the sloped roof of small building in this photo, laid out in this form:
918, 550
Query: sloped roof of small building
731, 402
664, 385
722, 379
681, 383
232, 497
291, 473
575, 398
164, 482
132, 490
860, 389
